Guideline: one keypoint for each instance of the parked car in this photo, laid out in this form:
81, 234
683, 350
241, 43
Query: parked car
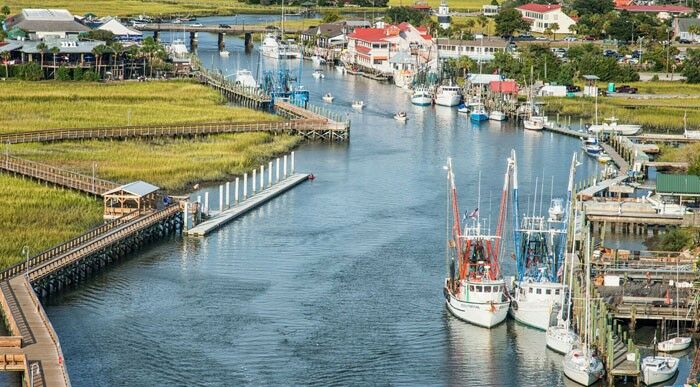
541, 38
626, 89
589, 38
524, 37
224, 26
684, 41
196, 25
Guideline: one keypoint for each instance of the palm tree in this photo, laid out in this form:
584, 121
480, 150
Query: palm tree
5, 58
554, 27
54, 51
118, 50
483, 22
98, 52
41, 47
694, 30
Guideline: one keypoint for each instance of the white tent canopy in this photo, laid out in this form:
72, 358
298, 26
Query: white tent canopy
118, 29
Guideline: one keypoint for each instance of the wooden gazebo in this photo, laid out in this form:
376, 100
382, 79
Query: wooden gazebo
133, 198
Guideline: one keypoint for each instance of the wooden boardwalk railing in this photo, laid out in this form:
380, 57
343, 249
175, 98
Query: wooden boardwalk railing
58, 176
290, 127
222, 84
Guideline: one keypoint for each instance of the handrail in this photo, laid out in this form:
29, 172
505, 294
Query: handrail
49, 328
60, 248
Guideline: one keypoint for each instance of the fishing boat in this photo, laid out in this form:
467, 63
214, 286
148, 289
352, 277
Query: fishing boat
539, 245
497, 115
318, 74
448, 95
581, 364
612, 126
317, 60
474, 289
463, 109
401, 117
245, 78
358, 105
478, 113
657, 369
328, 98
592, 147
274, 47
422, 96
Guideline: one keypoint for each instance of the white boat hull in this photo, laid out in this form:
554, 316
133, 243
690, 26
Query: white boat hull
533, 124
675, 344
584, 375
625, 130
448, 100
533, 315
497, 116
654, 375
328, 99
485, 315
560, 339
422, 101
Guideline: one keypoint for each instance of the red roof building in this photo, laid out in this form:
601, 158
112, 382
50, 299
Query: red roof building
539, 8
669, 9
505, 87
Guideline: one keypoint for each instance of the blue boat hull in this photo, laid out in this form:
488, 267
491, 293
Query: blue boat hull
478, 117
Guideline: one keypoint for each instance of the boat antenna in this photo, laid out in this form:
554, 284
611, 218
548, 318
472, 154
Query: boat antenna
542, 193
478, 200
490, 213
534, 199
551, 190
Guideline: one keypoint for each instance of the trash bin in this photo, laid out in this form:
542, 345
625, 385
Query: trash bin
611, 87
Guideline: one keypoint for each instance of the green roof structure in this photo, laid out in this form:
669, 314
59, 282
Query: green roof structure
678, 184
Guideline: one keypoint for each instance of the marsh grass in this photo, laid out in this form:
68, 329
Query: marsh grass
174, 164
40, 216
29, 106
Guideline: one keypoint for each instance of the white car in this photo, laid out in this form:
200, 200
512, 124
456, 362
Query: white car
570, 38
196, 25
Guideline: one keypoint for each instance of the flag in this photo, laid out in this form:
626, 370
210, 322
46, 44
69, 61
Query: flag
474, 214
560, 271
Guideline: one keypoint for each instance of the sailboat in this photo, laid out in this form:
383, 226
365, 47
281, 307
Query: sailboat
656, 369
561, 337
580, 364
539, 253
474, 289
677, 343
533, 122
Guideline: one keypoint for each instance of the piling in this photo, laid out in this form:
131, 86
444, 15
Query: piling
269, 174
235, 198
221, 197
285, 167
206, 202
277, 179
292, 164
245, 186
262, 177
228, 192
254, 175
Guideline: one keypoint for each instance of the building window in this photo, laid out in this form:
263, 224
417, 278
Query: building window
549, 291
556, 292
479, 289
539, 291
530, 290
471, 288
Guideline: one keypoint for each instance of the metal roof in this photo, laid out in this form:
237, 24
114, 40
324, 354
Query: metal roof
46, 20
591, 77
678, 184
137, 188
66, 46
46, 14
684, 23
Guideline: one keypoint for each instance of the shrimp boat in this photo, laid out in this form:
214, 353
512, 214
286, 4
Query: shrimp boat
580, 364
422, 96
539, 256
328, 98
474, 289
448, 95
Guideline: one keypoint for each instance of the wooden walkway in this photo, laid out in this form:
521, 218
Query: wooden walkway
54, 175
247, 205
214, 29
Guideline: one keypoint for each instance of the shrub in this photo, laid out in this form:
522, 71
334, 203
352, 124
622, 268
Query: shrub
63, 73
90, 75
30, 72
676, 239
78, 74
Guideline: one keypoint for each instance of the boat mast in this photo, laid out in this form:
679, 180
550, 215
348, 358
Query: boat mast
502, 214
456, 227
567, 210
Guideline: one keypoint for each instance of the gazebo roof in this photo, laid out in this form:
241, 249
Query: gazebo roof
136, 188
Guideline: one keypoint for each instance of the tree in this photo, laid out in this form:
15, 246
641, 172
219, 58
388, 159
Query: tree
495, 2
483, 22
5, 58
411, 15
694, 29
54, 52
510, 21
5, 10
103, 35
554, 27
118, 50
691, 67
547, 31
592, 7
42, 47
63, 73
330, 17
99, 51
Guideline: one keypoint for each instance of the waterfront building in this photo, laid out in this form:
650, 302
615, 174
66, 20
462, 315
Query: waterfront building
678, 189
490, 10
543, 16
326, 35
133, 198
121, 32
443, 15
43, 23
681, 27
480, 49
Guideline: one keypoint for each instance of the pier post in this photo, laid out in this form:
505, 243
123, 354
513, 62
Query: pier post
193, 40
245, 186
206, 203
186, 216
269, 174
278, 171
220, 41
221, 198
254, 181
285, 167
235, 198
228, 193
262, 177
292, 165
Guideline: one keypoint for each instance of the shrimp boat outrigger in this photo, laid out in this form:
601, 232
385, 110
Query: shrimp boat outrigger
474, 290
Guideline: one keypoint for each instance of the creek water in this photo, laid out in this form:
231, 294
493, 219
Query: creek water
337, 282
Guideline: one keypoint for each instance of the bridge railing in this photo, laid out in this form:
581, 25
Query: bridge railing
63, 247
133, 226
55, 175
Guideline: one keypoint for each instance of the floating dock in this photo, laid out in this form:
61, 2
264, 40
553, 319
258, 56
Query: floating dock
248, 205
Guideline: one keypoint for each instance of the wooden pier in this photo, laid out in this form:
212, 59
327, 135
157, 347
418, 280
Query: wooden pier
264, 196
250, 97
556, 128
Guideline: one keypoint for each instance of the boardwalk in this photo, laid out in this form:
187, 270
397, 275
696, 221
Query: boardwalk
213, 29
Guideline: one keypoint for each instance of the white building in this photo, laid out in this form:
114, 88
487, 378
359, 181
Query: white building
443, 15
490, 10
42, 23
479, 49
543, 16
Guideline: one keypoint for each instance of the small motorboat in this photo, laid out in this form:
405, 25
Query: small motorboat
604, 158
675, 344
478, 113
462, 108
223, 53
497, 115
657, 369
328, 98
340, 69
401, 117
358, 105
592, 147
318, 74
422, 96
534, 123
318, 60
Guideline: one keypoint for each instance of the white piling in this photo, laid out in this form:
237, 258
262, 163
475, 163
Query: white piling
262, 177
199, 200
206, 202
245, 186
269, 174
221, 198
254, 185
278, 171
235, 198
284, 173
185, 216
292, 165
228, 194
